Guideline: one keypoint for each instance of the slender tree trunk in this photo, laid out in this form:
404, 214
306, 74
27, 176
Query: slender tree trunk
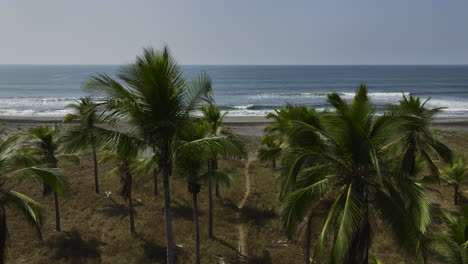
167, 215
96, 177
130, 203
307, 244
456, 195
155, 180
57, 213
3, 234
210, 200
215, 167
195, 190
273, 163
46, 189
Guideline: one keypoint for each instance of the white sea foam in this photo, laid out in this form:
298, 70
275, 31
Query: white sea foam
56, 107
393, 95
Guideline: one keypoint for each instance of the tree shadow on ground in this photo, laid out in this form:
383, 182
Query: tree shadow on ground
116, 210
154, 253
226, 244
70, 246
264, 259
258, 216
241, 259
184, 211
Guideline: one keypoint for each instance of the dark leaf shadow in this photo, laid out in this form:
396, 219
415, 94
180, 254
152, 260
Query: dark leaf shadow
70, 246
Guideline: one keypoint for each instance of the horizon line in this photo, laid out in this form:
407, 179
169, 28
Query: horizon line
345, 64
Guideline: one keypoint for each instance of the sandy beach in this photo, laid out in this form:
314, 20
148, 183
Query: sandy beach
244, 125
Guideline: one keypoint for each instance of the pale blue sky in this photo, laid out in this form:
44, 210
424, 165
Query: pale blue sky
235, 31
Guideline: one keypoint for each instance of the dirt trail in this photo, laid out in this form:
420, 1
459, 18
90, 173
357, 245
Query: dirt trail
241, 227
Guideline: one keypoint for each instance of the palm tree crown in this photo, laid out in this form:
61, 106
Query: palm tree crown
156, 101
341, 155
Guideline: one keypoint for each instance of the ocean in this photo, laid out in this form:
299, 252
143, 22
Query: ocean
45, 90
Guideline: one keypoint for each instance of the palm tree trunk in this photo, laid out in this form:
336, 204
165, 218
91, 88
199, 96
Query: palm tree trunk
456, 196
3, 234
57, 213
195, 190
210, 200
215, 165
96, 177
308, 237
46, 189
167, 215
130, 203
155, 180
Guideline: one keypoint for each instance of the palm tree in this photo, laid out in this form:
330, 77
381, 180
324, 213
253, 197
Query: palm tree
416, 138
270, 150
196, 146
453, 245
455, 175
124, 150
213, 118
341, 157
212, 115
275, 133
86, 134
45, 145
156, 101
14, 164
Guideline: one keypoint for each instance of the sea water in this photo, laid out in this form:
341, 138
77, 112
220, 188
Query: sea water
46, 90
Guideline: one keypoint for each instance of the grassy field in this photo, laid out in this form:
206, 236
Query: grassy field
96, 227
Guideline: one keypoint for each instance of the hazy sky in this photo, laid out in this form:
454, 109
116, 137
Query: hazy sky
235, 31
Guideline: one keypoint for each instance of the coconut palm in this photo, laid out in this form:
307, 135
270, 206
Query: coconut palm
156, 101
17, 165
454, 175
453, 245
45, 142
214, 118
275, 133
85, 135
416, 139
196, 146
123, 149
212, 115
148, 165
341, 158
270, 150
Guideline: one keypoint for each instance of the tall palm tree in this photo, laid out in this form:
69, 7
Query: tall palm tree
156, 101
453, 245
212, 115
124, 150
196, 146
416, 138
15, 164
85, 135
45, 145
454, 175
213, 118
341, 158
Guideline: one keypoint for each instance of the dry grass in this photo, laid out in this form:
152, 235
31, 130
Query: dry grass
96, 228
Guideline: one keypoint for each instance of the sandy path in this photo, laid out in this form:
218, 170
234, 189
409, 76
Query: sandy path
241, 227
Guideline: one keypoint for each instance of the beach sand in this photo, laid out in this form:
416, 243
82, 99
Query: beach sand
245, 125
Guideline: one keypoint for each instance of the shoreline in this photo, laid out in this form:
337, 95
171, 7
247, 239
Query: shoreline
244, 125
